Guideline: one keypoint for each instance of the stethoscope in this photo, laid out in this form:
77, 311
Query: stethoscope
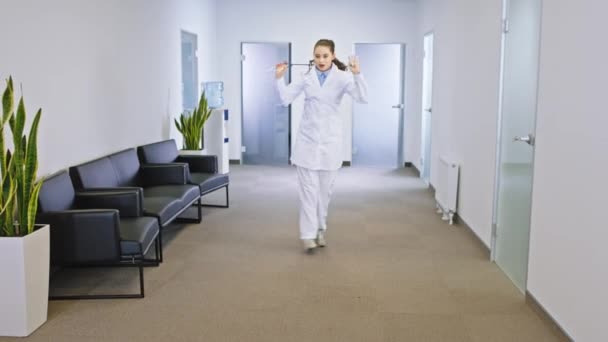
310, 64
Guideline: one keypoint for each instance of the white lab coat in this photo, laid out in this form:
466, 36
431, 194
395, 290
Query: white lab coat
318, 144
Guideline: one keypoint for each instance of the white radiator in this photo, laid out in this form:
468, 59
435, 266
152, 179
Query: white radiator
446, 191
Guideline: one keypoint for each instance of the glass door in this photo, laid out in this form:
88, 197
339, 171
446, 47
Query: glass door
515, 162
189, 71
377, 133
427, 110
266, 125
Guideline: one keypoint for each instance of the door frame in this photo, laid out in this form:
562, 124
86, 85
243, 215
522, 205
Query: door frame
241, 161
402, 99
499, 137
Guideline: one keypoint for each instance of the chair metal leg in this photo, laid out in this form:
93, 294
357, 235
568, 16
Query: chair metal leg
199, 216
160, 242
156, 261
221, 206
141, 281
156, 245
141, 293
200, 210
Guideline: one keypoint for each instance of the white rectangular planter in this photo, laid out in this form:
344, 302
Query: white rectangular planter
24, 282
216, 138
192, 152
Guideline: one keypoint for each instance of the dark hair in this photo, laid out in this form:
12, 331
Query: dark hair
332, 47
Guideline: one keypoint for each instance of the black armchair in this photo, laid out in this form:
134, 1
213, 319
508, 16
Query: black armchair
100, 228
203, 168
164, 189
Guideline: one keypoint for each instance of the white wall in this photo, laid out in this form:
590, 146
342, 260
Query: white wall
304, 22
569, 234
107, 74
567, 262
465, 99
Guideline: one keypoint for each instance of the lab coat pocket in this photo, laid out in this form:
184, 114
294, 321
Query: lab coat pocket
334, 128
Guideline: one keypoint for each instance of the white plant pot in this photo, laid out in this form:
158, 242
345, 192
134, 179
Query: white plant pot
193, 152
24, 282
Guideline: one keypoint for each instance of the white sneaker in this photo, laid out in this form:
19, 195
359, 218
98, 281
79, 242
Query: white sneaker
321, 238
309, 245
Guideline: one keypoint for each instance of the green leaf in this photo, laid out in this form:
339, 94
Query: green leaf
31, 167
18, 124
32, 207
7, 101
19, 188
192, 124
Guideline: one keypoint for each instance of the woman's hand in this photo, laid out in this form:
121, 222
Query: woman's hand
353, 63
280, 70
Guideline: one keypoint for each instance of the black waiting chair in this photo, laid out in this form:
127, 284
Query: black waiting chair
97, 229
165, 188
203, 168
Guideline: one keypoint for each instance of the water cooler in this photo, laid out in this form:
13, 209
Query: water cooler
216, 127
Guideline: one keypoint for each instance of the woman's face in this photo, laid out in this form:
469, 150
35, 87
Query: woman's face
323, 57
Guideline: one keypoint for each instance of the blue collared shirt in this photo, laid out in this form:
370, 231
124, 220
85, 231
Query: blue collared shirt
322, 75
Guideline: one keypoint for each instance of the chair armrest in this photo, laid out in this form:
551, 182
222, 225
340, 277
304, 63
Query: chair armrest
83, 236
165, 174
197, 163
127, 200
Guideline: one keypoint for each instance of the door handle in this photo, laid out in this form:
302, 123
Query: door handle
528, 139
399, 106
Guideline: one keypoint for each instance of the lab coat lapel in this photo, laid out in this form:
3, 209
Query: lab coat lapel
329, 76
314, 79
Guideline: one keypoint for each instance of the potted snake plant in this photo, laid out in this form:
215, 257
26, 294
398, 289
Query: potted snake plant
191, 126
24, 246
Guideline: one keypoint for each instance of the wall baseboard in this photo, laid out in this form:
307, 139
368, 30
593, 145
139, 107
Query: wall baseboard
414, 168
486, 250
416, 171
458, 220
549, 321
560, 333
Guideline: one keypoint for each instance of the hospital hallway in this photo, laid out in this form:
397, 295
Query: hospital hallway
392, 271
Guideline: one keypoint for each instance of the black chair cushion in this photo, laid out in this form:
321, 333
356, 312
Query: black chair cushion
164, 208
126, 165
137, 235
56, 193
158, 153
185, 193
209, 181
98, 173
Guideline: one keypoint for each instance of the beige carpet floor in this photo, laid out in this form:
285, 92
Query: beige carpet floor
393, 271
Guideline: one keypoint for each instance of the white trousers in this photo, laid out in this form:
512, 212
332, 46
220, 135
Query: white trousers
315, 187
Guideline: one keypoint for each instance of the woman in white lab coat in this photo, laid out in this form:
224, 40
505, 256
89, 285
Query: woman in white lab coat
317, 152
